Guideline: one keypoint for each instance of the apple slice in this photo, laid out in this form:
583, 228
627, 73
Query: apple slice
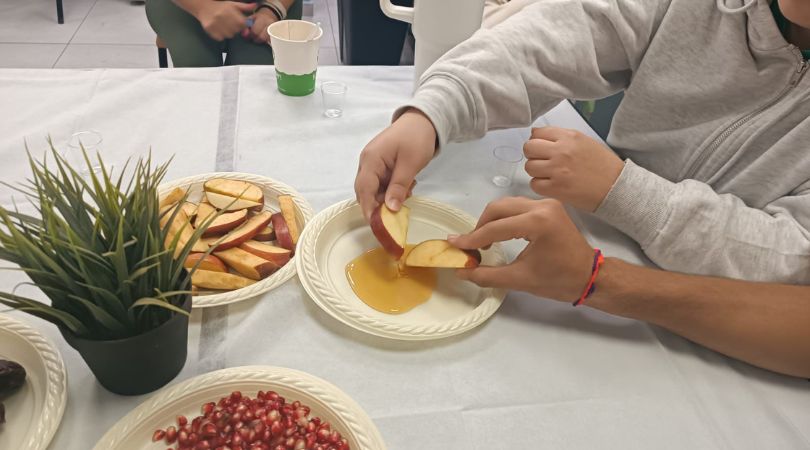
171, 198
190, 209
225, 223
209, 241
283, 235
204, 211
391, 229
266, 235
228, 203
219, 280
439, 253
209, 262
247, 264
235, 188
180, 225
287, 205
278, 255
245, 232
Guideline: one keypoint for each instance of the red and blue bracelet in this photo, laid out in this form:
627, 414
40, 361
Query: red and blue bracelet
598, 260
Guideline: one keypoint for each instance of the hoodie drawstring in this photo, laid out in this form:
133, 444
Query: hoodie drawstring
721, 5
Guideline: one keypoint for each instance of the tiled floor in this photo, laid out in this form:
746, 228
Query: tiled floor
103, 33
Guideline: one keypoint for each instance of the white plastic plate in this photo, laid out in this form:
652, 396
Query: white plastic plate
339, 234
134, 431
34, 412
272, 189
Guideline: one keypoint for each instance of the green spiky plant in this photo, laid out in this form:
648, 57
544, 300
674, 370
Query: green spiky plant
96, 249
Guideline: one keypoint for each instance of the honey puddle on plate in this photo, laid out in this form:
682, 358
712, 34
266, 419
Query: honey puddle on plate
386, 286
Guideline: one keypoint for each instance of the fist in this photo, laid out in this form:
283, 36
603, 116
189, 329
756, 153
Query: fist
570, 167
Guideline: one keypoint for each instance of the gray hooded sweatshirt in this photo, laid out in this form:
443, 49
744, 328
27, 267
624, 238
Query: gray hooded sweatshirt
714, 124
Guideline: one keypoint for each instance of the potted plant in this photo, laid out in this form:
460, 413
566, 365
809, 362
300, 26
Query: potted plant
100, 248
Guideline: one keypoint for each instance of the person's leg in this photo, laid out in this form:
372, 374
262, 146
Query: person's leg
241, 51
188, 43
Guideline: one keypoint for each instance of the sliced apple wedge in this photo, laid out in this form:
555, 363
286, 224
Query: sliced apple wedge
247, 264
209, 262
182, 227
172, 198
282, 232
225, 223
229, 203
235, 188
266, 235
391, 229
209, 241
277, 255
287, 205
219, 280
439, 253
190, 209
245, 232
204, 211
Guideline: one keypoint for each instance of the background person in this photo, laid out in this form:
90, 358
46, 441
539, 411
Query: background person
197, 32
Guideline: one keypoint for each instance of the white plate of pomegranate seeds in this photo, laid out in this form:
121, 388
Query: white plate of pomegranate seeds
339, 234
271, 189
251, 407
34, 412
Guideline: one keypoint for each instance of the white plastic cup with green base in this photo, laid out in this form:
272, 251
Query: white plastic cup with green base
295, 50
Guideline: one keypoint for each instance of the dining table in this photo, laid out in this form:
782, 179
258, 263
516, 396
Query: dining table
539, 374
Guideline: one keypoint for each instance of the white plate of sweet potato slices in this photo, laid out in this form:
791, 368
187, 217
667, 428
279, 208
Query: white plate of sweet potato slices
252, 224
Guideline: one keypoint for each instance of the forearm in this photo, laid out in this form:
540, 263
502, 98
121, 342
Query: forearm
767, 325
688, 227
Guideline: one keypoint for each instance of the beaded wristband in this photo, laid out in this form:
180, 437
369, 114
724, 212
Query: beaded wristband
598, 260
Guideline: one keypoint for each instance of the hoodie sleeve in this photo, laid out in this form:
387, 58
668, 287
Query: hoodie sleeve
688, 227
509, 75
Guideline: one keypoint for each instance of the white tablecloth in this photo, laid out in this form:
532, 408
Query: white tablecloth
539, 374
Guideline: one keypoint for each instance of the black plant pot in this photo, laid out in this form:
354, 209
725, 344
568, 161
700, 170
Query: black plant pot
138, 364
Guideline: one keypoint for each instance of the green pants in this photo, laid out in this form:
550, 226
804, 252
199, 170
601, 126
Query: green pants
190, 46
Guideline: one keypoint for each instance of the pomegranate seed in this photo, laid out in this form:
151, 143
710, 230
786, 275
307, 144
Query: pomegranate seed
208, 430
323, 435
182, 421
276, 428
208, 408
334, 438
195, 424
171, 435
236, 395
300, 444
158, 435
193, 438
182, 437
203, 445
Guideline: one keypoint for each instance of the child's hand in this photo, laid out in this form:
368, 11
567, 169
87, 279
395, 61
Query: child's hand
571, 167
390, 162
262, 19
555, 264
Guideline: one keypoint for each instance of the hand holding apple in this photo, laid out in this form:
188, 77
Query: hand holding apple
570, 167
556, 262
390, 162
